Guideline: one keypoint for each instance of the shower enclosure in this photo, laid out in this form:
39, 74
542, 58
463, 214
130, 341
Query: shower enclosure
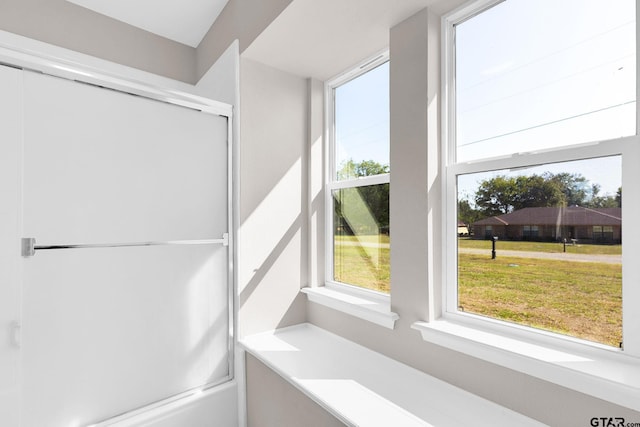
116, 292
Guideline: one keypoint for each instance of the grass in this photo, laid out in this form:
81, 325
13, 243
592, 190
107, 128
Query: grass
580, 299
364, 266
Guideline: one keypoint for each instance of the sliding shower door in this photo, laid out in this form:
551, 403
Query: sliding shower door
125, 222
10, 130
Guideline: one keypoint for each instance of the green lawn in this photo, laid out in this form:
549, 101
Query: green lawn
575, 298
366, 266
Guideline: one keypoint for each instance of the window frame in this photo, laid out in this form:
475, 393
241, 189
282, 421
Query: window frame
331, 183
627, 147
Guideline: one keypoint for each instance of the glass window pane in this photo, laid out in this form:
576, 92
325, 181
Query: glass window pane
362, 125
548, 74
545, 247
361, 236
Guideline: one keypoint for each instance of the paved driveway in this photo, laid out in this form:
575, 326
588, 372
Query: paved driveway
561, 256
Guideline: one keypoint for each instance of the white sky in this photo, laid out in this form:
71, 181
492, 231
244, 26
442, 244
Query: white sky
362, 118
573, 82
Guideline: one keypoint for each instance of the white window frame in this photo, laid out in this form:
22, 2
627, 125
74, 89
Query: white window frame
601, 371
627, 147
332, 184
365, 304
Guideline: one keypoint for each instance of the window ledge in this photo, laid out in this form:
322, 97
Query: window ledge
607, 375
361, 387
368, 307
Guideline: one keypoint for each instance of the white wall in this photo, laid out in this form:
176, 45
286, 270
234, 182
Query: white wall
239, 20
272, 257
221, 81
273, 402
316, 173
73, 27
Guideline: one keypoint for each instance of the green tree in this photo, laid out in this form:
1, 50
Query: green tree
362, 210
350, 169
495, 196
466, 213
502, 194
597, 201
536, 191
574, 186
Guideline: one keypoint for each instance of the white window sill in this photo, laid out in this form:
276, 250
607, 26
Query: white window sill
607, 375
361, 304
367, 389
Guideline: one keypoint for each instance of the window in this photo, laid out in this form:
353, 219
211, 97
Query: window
530, 232
603, 234
358, 232
539, 129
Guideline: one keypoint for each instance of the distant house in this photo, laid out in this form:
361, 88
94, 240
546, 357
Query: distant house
597, 225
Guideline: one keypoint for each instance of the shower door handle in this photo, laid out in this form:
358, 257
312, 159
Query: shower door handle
29, 246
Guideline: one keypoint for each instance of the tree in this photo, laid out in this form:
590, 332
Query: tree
502, 194
597, 201
495, 196
350, 169
536, 191
365, 209
466, 213
574, 186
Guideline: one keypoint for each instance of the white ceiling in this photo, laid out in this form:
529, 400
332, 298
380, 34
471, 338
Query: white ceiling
320, 39
184, 21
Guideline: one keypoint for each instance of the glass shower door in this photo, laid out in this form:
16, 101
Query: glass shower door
125, 294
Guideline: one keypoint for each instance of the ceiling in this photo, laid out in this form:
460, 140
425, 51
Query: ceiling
310, 38
320, 39
184, 21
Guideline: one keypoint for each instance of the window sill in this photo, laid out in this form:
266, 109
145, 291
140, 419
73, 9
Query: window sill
604, 374
372, 308
363, 388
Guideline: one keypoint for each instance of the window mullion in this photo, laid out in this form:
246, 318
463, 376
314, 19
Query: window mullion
630, 270
360, 182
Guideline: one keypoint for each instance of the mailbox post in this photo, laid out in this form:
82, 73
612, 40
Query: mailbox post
494, 239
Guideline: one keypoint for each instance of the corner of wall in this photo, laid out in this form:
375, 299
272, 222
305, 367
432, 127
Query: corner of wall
70, 26
272, 242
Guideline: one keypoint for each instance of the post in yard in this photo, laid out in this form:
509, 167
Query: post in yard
494, 239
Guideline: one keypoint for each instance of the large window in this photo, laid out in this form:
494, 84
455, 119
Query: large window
358, 188
540, 139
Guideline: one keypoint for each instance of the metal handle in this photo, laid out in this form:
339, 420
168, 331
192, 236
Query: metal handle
29, 246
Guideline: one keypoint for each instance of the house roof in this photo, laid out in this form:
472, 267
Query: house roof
574, 215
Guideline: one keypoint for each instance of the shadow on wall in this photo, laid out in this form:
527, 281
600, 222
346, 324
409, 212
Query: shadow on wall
259, 274
272, 258
272, 243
